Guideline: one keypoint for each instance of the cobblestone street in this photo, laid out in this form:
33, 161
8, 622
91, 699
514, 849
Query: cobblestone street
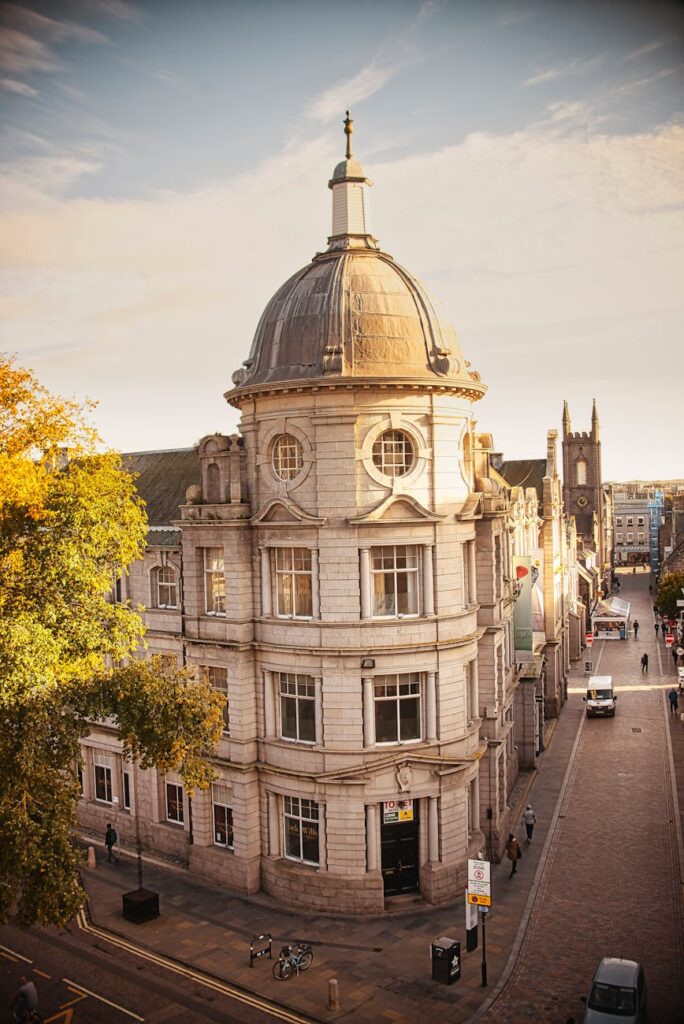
609, 883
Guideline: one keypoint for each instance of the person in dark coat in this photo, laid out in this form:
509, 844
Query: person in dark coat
644, 662
110, 838
513, 852
635, 627
673, 698
657, 627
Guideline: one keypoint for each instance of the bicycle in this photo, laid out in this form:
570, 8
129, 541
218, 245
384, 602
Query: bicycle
292, 960
23, 1014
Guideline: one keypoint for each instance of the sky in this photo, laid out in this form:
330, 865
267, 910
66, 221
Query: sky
165, 168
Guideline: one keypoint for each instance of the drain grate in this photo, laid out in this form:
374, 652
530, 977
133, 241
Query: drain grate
636, 729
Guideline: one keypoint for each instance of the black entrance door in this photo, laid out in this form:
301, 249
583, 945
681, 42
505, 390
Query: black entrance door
400, 855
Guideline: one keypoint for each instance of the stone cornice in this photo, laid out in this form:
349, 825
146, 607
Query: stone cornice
471, 390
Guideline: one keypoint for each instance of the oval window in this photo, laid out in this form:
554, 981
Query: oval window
287, 456
393, 453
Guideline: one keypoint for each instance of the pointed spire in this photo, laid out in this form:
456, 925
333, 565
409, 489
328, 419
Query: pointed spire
594, 422
567, 428
348, 184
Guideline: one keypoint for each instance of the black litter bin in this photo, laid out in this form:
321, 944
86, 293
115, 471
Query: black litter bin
446, 960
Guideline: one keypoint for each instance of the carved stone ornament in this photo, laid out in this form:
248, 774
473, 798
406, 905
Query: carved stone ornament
193, 495
404, 778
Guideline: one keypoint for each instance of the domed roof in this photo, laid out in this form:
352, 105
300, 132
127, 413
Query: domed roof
353, 313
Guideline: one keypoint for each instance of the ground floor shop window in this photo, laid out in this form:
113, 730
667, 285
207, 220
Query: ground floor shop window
174, 803
301, 830
223, 816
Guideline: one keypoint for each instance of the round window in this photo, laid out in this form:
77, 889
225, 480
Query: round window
288, 458
393, 453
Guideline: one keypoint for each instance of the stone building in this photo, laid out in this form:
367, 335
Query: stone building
340, 570
584, 494
631, 529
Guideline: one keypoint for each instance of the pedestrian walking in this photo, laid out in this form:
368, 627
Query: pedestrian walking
110, 839
644, 662
675, 656
657, 627
513, 851
529, 821
674, 707
635, 627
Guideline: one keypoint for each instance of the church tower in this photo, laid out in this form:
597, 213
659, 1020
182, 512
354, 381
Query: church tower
582, 483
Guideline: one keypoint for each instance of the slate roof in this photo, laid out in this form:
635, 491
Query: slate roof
524, 473
163, 479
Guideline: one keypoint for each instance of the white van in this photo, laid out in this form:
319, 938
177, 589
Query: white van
600, 696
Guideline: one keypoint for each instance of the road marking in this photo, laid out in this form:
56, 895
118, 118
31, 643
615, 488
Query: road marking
224, 987
66, 1016
87, 992
42, 974
14, 953
72, 1002
9, 956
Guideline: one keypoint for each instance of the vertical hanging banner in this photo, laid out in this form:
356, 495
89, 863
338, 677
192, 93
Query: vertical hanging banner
537, 597
522, 616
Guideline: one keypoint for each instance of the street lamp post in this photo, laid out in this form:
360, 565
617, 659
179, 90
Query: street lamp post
483, 912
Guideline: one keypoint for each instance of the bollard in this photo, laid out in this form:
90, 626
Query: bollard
92, 863
333, 994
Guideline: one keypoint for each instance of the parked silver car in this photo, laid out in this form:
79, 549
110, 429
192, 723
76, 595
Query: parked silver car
618, 993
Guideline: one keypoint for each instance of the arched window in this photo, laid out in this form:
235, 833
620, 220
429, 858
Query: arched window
581, 472
213, 484
164, 587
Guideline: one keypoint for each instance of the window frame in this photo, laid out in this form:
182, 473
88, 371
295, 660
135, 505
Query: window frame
416, 697
222, 800
385, 460
292, 813
411, 572
295, 462
171, 585
103, 762
282, 573
180, 805
210, 575
209, 674
300, 701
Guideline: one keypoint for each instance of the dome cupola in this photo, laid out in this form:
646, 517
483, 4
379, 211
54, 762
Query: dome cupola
353, 315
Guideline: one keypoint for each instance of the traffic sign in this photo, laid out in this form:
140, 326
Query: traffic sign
481, 901
589, 639
479, 878
669, 639
680, 651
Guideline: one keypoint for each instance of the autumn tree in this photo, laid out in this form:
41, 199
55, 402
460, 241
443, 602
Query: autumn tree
670, 590
70, 524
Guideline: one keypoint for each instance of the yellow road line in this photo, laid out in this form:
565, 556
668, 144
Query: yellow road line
72, 1002
42, 974
86, 992
224, 987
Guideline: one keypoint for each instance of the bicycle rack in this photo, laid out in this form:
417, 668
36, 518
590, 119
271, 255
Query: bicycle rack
266, 937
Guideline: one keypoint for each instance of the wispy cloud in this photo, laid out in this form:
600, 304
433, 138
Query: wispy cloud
21, 88
26, 20
641, 83
571, 67
648, 48
120, 10
347, 93
28, 41
513, 16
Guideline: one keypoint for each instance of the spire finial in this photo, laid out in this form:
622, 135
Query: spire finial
348, 129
